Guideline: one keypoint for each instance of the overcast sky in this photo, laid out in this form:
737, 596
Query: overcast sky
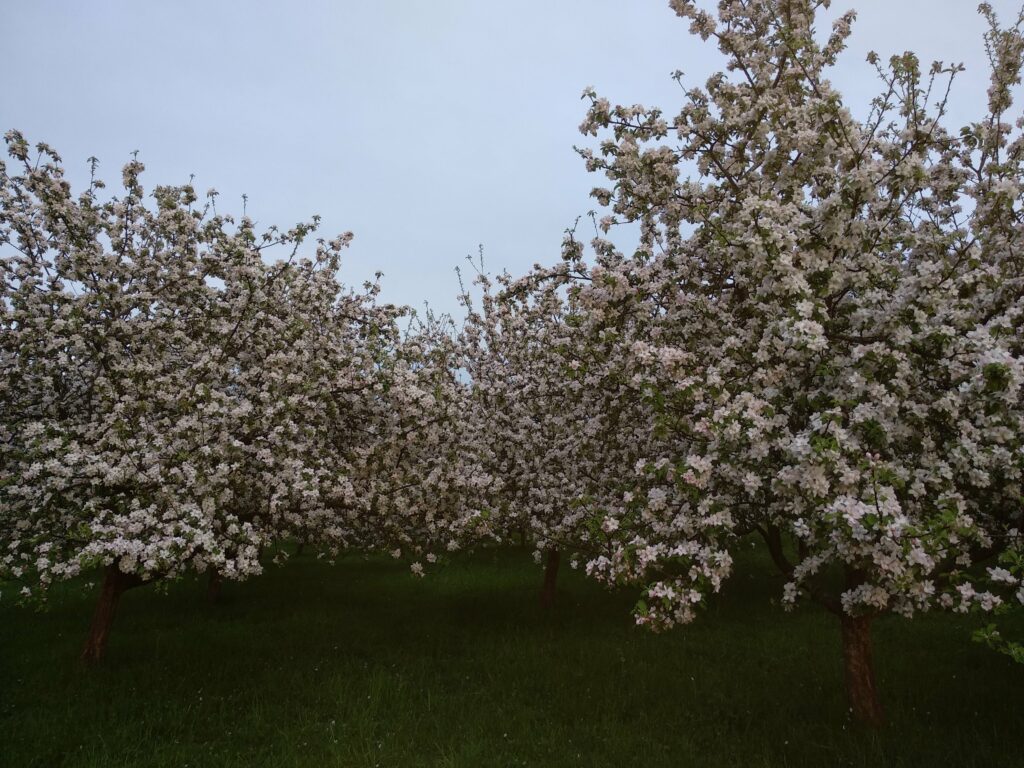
427, 128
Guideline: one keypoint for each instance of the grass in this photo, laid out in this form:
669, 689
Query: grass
359, 664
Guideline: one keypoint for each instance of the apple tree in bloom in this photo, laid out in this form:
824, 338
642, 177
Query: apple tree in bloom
833, 315
174, 399
421, 495
558, 427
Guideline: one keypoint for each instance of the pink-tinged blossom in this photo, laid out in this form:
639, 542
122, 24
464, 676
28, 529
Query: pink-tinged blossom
180, 391
827, 344
816, 338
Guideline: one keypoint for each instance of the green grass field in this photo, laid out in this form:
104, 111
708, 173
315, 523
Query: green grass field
360, 664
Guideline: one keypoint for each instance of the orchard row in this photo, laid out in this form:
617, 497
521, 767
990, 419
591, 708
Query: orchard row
817, 340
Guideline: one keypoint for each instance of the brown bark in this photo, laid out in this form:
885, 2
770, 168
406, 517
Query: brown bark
115, 582
547, 592
861, 691
213, 586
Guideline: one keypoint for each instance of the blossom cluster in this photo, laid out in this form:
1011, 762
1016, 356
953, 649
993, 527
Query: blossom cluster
817, 339
180, 391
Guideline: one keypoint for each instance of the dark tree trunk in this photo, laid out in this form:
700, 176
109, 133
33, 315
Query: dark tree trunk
861, 690
300, 548
213, 586
115, 582
547, 592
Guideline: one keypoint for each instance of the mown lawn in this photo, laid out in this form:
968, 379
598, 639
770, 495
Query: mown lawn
361, 664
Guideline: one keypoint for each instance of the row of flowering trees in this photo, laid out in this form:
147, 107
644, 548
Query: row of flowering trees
816, 341
173, 400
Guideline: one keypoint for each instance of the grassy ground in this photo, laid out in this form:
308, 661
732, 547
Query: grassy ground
359, 664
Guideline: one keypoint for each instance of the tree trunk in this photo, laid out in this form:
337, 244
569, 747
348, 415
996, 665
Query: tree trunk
115, 582
213, 586
547, 592
300, 548
861, 690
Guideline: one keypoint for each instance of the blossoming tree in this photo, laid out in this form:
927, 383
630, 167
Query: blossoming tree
174, 400
558, 428
834, 317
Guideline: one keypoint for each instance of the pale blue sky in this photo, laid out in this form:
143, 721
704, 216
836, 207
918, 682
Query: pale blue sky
426, 128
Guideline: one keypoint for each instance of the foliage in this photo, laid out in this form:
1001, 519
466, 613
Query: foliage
174, 399
834, 307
